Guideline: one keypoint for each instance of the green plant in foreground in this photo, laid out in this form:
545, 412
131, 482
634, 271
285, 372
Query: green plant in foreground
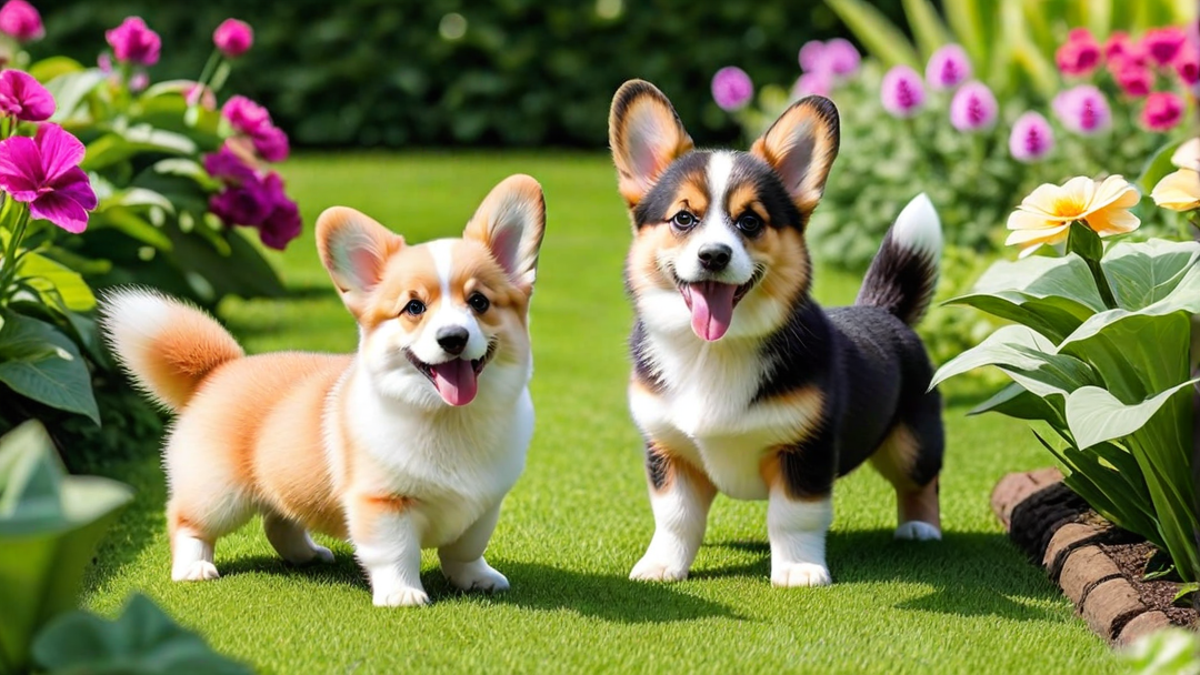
1174, 651
1099, 351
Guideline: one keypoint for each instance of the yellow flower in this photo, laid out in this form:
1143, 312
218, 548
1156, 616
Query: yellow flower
1180, 191
1045, 216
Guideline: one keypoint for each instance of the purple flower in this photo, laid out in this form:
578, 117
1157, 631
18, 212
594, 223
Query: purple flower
44, 172
21, 20
1164, 110
973, 107
23, 97
283, 224
809, 84
227, 166
947, 68
812, 57
732, 88
233, 38
271, 143
842, 57
902, 92
246, 116
1031, 139
1083, 110
245, 204
133, 42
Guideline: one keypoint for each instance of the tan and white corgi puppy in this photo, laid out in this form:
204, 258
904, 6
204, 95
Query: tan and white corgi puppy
741, 383
410, 443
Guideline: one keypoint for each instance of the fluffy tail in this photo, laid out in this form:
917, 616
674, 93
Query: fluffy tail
904, 274
168, 347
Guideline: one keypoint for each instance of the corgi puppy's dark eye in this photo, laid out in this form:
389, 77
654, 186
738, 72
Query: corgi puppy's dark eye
683, 221
749, 224
415, 308
479, 302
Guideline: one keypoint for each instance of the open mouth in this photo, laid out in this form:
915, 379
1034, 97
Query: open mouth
712, 303
456, 380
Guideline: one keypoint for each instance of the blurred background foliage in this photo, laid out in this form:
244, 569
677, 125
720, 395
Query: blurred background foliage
377, 73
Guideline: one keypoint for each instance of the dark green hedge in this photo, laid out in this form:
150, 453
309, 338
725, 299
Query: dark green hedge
525, 73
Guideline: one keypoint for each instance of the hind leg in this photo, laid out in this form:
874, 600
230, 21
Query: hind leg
910, 458
194, 531
292, 542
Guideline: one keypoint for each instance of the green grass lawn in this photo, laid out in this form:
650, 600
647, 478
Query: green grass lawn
579, 518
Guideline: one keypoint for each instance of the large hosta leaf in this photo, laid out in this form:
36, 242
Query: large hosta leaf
1136, 353
1028, 358
1144, 273
1095, 416
39, 362
49, 276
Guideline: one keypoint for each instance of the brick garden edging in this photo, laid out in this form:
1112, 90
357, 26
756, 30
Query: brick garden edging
1039, 513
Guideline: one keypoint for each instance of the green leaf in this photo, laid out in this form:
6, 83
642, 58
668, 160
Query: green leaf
879, 35
1013, 400
1095, 416
69, 89
127, 221
1138, 354
115, 147
969, 22
189, 169
60, 380
49, 276
143, 640
1144, 273
1186, 593
1158, 166
50, 68
997, 349
1084, 242
926, 25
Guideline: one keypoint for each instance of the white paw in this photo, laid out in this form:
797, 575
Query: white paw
915, 530
649, 569
402, 597
201, 570
793, 575
479, 577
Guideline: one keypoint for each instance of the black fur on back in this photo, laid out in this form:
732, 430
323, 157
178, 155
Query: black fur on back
900, 280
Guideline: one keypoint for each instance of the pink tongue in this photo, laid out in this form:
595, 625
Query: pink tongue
455, 381
712, 309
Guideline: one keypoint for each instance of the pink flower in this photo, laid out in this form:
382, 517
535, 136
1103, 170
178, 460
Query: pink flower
133, 42
44, 172
973, 108
732, 88
24, 98
1133, 78
1164, 110
246, 116
104, 61
842, 57
948, 67
271, 143
283, 224
902, 92
1083, 110
1163, 44
138, 81
233, 38
1080, 55
812, 57
21, 20
813, 84
1120, 45
1031, 138
1187, 64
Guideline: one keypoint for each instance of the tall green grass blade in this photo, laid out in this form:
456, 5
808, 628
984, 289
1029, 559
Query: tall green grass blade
927, 27
879, 35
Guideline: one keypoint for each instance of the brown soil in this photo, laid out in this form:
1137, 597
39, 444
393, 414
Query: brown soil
1158, 594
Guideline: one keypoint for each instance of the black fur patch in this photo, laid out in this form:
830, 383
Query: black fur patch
809, 467
642, 368
652, 210
900, 280
657, 467
801, 352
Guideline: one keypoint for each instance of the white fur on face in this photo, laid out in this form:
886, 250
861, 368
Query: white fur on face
716, 228
446, 313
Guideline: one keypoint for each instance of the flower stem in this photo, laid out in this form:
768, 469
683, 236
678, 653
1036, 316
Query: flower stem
8, 273
209, 68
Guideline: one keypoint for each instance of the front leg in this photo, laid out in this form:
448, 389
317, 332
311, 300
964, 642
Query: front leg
462, 560
388, 545
800, 509
680, 496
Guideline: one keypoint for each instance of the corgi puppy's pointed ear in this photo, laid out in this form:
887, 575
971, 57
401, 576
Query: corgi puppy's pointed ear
801, 146
510, 223
645, 135
354, 248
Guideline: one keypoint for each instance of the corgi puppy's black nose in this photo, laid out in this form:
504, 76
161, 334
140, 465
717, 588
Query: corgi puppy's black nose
453, 339
715, 257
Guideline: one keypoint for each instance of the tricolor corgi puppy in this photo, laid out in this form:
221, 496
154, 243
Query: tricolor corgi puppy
410, 443
741, 383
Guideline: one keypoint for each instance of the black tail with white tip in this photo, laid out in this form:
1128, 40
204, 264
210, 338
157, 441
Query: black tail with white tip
903, 276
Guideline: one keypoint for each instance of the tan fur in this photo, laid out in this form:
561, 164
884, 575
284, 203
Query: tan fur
783, 253
803, 173
894, 460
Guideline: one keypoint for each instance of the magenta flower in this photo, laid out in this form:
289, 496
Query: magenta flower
133, 42
974, 107
21, 21
1187, 64
902, 92
1083, 110
246, 204
271, 143
1031, 138
842, 57
812, 57
1134, 79
23, 97
732, 88
246, 116
225, 165
813, 84
1080, 55
1120, 46
233, 38
44, 172
1163, 44
948, 67
1163, 110
283, 224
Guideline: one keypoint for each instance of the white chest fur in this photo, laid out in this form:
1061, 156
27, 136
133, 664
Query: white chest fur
454, 463
706, 410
